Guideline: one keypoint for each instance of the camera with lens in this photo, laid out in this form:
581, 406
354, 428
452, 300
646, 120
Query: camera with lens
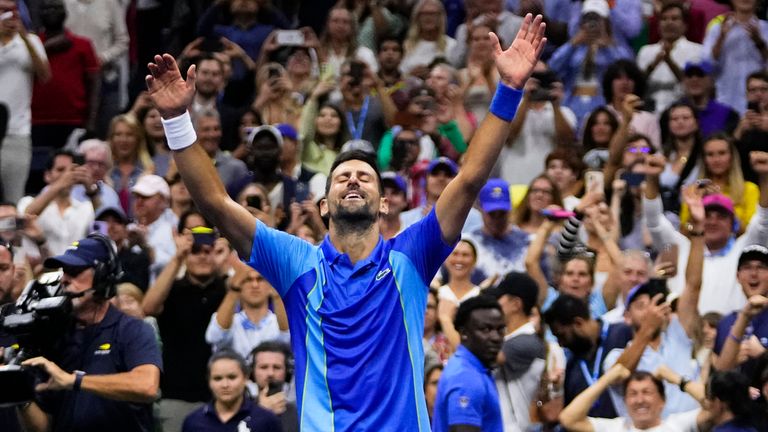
37, 323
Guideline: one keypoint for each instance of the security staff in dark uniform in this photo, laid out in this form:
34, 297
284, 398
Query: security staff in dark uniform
107, 374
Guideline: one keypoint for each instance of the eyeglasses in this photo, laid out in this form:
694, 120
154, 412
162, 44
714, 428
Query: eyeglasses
541, 191
635, 150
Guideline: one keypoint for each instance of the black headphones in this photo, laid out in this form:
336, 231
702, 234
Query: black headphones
106, 274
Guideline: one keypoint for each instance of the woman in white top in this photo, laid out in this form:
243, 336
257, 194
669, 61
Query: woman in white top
460, 264
426, 38
338, 43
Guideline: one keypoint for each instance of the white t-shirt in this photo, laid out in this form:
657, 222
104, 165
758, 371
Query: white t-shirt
663, 86
683, 422
17, 78
61, 229
523, 159
446, 293
424, 52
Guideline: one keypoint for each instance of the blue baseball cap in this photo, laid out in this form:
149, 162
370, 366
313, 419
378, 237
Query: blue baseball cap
495, 196
444, 162
652, 288
287, 131
83, 253
394, 179
702, 66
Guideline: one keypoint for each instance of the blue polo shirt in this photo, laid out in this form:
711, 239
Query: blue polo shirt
466, 395
117, 344
356, 329
757, 327
250, 417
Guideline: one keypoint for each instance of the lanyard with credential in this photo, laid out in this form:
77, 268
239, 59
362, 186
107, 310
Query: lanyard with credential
357, 130
592, 378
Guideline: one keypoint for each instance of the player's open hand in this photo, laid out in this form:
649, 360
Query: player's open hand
170, 93
517, 62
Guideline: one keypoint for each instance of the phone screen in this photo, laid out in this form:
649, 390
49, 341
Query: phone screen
595, 181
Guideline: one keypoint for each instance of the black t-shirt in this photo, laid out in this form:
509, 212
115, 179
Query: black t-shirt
185, 317
618, 335
119, 343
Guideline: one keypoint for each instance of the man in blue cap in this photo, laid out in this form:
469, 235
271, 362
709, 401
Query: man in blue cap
501, 246
107, 372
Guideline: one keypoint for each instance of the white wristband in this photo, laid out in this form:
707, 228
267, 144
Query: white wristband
179, 131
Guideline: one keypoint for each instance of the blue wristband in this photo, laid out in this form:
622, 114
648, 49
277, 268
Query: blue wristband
505, 102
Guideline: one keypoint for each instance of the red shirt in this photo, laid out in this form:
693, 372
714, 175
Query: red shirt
63, 100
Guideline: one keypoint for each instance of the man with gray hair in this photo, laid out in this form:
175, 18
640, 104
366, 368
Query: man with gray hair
635, 269
207, 124
98, 161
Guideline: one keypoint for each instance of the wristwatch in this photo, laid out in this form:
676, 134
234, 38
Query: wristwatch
78, 380
693, 232
92, 190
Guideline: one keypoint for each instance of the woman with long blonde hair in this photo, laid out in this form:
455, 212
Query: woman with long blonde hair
426, 39
338, 42
721, 164
130, 156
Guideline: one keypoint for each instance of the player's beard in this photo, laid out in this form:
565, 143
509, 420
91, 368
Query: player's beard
356, 220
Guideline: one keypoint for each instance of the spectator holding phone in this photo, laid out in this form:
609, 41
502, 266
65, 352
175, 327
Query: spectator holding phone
150, 209
274, 100
273, 365
542, 125
227, 376
244, 319
683, 148
323, 129
752, 131
183, 308
542, 193
721, 168
479, 77
720, 291
62, 219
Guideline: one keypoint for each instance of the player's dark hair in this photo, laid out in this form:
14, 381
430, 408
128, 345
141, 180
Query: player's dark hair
360, 155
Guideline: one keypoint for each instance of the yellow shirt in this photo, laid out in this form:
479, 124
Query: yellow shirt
744, 209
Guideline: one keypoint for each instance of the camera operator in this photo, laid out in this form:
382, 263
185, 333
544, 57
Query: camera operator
108, 372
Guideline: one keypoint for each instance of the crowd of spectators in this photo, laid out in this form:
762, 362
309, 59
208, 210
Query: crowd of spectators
619, 253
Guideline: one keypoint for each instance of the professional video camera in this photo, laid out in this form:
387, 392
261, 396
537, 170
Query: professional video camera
37, 322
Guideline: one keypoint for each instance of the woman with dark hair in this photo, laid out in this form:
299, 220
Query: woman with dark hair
624, 78
599, 128
565, 168
322, 130
683, 149
231, 406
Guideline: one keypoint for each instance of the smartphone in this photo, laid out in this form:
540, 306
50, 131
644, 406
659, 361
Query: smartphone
356, 69
100, 227
703, 183
253, 201
594, 180
558, 214
273, 72
302, 192
669, 254
633, 179
6, 15
78, 159
754, 106
275, 387
289, 38
203, 236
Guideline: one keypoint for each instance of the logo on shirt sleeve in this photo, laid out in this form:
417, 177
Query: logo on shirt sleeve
380, 275
464, 401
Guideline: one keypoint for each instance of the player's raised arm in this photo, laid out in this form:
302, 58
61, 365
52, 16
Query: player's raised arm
172, 96
515, 66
